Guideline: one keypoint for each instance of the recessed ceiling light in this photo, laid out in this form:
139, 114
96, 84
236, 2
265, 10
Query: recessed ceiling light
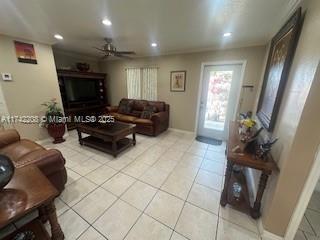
107, 22
58, 36
154, 45
227, 34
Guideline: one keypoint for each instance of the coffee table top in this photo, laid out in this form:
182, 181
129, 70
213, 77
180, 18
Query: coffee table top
27, 190
110, 129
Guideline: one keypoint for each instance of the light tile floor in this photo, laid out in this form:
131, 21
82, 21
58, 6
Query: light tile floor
310, 225
164, 188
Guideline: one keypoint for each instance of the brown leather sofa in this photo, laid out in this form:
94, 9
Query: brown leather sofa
24, 152
158, 123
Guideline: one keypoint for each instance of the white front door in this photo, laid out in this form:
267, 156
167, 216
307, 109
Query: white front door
218, 103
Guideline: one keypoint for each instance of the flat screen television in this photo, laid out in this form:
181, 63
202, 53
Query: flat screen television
81, 90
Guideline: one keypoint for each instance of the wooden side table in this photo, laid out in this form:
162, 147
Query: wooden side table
244, 159
27, 191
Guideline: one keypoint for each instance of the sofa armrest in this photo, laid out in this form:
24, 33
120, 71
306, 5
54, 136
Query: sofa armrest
8, 137
112, 109
160, 117
48, 161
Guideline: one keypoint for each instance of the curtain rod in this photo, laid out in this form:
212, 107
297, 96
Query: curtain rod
141, 67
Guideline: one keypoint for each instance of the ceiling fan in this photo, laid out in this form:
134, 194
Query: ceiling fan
110, 50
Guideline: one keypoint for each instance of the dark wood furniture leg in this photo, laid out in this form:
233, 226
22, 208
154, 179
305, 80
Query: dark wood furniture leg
134, 138
79, 136
255, 211
224, 195
56, 232
114, 148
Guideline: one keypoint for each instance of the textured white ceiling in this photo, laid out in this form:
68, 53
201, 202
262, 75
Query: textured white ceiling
176, 25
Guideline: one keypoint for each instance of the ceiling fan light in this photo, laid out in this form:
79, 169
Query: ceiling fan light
106, 22
58, 36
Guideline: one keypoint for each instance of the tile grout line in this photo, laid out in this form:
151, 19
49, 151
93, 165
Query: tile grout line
138, 179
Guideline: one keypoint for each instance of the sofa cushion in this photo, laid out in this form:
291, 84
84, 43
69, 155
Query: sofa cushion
160, 106
139, 105
125, 106
135, 113
141, 121
126, 118
148, 111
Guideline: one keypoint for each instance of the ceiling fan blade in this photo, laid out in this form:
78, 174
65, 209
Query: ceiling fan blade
102, 50
126, 52
122, 56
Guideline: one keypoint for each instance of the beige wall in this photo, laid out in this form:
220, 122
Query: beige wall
183, 104
297, 127
32, 84
65, 59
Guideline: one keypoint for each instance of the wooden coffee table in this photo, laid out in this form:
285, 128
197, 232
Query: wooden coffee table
28, 191
107, 137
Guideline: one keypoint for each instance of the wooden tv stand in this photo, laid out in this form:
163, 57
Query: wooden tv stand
85, 108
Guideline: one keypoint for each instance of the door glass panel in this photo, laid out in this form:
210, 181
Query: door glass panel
217, 99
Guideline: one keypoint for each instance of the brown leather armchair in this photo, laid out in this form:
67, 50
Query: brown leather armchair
158, 123
24, 152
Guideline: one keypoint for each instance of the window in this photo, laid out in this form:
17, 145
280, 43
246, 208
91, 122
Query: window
142, 83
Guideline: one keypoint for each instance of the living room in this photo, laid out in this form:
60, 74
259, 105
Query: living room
153, 107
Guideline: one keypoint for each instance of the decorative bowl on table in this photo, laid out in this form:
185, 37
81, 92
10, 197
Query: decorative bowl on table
6, 170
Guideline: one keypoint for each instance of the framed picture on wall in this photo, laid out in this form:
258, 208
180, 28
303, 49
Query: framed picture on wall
25, 52
178, 81
281, 53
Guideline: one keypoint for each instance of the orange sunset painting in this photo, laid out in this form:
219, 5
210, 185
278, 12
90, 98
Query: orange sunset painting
25, 52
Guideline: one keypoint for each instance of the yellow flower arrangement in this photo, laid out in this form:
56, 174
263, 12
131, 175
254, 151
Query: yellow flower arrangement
249, 123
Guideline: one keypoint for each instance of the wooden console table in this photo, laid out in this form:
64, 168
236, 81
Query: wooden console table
244, 159
27, 191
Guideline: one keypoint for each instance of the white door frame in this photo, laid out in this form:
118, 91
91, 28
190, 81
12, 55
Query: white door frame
304, 198
218, 63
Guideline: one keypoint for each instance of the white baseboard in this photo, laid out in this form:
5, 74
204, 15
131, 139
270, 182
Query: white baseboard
265, 235
181, 131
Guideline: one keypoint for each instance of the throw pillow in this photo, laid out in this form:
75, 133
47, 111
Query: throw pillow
148, 111
125, 106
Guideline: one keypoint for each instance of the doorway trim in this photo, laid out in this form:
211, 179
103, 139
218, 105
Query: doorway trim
218, 63
304, 198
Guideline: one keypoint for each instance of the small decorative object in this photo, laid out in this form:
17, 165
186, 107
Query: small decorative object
25, 52
178, 81
246, 129
247, 115
83, 67
27, 235
54, 121
6, 170
277, 70
264, 148
236, 190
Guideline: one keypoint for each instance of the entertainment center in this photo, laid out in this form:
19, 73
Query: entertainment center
82, 93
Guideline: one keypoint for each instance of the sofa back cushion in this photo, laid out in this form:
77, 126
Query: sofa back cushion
148, 111
139, 105
125, 106
159, 106
135, 107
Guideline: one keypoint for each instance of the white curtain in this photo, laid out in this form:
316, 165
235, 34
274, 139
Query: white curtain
149, 83
134, 83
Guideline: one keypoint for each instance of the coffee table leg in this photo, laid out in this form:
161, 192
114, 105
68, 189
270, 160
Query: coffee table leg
114, 148
80, 136
134, 138
56, 232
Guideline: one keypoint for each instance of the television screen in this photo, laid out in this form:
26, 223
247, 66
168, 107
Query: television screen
81, 89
